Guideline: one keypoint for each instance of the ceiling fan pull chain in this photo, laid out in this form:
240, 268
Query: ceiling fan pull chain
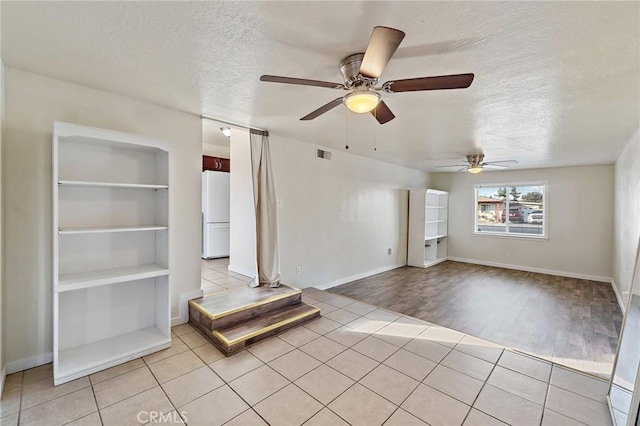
346, 146
375, 131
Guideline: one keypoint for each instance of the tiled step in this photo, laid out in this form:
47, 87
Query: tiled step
235, 338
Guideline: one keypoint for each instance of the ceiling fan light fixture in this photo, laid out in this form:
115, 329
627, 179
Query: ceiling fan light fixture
225, 131
361, 101
474, 169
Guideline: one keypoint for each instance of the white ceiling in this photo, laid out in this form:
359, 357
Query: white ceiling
557, 83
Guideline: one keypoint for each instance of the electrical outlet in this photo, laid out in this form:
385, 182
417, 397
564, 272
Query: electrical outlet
508, 253
297, 270
389, 250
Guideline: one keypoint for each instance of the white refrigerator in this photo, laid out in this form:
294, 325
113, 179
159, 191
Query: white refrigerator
215, 214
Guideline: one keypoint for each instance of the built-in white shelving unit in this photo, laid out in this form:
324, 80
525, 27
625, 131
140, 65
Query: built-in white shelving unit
111, 269
428, 214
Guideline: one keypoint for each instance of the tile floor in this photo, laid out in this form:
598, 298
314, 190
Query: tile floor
216, 277
357, 365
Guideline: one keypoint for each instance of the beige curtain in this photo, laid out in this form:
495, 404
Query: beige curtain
264, 195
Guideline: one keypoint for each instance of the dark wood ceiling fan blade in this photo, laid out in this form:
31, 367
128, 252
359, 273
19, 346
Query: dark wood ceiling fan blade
301, 81
324, 108
455, 81
382, 45
382, 113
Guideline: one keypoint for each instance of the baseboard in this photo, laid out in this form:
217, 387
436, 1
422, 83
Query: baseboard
241, 271
536, 270
358, 276
183, 307
29, 362
618, 297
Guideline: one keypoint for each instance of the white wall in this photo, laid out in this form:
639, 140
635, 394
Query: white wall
338, 217
626, 215
32, 104
242, 212
579, 213
2, 309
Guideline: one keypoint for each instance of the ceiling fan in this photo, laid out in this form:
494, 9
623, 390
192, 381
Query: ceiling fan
361, 72
475, 164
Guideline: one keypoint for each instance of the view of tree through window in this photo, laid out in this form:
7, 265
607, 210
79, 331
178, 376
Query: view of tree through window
511, 209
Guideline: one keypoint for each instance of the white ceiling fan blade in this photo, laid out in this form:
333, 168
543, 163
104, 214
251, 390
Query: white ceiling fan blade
452, 165
501, 162
496, 166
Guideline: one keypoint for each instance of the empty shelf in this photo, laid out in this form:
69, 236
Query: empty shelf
81, 280
79, 183
105, 229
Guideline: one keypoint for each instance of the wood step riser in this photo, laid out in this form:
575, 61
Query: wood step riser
206, 324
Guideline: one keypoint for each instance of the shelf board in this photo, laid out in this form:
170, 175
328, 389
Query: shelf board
436, 207
86, 359
69, 282
434, 221
428, 263
88, 184
106, 229
434, 237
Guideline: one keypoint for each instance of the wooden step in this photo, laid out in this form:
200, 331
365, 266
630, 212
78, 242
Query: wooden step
221, 310
234, 338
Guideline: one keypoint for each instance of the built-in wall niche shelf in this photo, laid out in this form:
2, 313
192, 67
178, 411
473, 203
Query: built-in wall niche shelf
114, 185
111, 266
428, 228
110, 229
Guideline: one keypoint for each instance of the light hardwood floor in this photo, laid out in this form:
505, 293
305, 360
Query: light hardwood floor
569, 321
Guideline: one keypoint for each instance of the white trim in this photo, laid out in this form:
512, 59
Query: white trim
357, 276
183, 307
29, 362
3, 377
618, 297
536, 270
246, 273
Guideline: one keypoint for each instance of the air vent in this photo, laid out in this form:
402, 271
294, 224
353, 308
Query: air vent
321, 153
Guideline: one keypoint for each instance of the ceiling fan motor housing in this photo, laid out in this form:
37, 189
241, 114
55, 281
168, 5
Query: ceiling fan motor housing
350, 70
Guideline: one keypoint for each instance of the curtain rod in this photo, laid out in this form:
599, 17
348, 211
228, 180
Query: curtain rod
242, 126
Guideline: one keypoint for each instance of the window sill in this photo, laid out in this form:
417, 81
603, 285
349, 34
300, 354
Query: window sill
516, 236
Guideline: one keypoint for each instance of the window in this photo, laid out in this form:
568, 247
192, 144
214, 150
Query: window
511, 209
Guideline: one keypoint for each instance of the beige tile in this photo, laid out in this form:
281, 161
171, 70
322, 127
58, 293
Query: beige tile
214, 408
9, 420
352, 364
526, 365
507, 407
382, 315
177, 347
339, 301
321, 295
346, 336
399, 333
441, 335
232, 367
467, 364
478, 418
427, 349
519, 384
325, 308
13, 381
270, 349
37, 374
298, 336
122, 387
360, 406
578, 407
183, 329
342, 316
306, 298
402, 418
366, 325
192, 385
43, 391
170, 418
324, 383
389, 383
359, 308
208, 353
248, 418
10, 402
278, 409
323, 349
551, 418
258, 384
193, 340
61, 410
455, 384
579, 383
375, 348
480, 348
175, 366
118, 370
434, 407
410, 364
322, 325
326, 417
294, 364
92, 419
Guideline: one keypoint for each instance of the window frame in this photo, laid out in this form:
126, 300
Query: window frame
545, 204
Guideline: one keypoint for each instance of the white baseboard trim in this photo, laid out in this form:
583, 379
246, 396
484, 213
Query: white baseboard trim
183, 307
358, 276
241, 271
29, 362
618, 297
536, 270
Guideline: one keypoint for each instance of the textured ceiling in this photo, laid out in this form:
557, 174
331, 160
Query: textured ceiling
557, 83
